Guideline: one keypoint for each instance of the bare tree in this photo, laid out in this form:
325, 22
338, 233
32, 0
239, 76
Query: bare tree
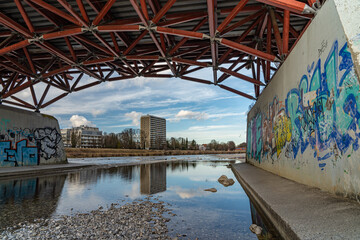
231, 145
144, 138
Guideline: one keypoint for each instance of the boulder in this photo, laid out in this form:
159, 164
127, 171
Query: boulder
224, 180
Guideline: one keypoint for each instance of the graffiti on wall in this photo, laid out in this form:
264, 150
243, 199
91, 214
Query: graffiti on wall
321, 114
24, 146
48, 140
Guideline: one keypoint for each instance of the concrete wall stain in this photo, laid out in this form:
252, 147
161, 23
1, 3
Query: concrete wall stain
322, 114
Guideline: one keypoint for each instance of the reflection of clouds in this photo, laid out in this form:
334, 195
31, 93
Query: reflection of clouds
134, 191
188, 193
203, 179
80, 203
75, 189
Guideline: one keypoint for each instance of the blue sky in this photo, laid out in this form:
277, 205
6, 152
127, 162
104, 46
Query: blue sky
193, 110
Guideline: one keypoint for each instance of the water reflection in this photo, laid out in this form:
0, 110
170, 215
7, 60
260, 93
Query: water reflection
152, 178
29, 199
226, 214
258, 218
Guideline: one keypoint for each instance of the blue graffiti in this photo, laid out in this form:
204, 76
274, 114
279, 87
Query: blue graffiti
22, 155
324, 111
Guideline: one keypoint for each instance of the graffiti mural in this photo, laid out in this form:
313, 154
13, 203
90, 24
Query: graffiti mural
21, 155
47, 139
321, 114
24, 146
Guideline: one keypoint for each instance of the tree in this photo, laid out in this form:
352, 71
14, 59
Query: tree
193, 145
213, 145
231, 145
75, 139
111, 140
144, 138
127, 138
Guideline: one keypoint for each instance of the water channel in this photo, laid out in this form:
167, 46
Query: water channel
178, 180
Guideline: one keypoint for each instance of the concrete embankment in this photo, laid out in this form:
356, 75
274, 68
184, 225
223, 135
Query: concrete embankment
40, 170
299, 211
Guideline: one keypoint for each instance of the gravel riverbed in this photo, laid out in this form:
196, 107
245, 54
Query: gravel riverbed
140, 219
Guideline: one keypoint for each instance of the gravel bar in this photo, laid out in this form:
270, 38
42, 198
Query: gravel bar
140, 219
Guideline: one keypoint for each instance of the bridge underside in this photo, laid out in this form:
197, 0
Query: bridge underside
53, 44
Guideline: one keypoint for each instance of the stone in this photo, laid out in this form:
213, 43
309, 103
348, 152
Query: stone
255, 229
211, 190
225, 181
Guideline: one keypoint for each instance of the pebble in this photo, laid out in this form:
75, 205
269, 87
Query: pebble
134, 220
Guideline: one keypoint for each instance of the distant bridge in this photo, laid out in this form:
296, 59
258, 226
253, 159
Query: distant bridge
52, 44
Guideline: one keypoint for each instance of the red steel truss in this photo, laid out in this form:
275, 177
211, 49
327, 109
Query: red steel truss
55, 43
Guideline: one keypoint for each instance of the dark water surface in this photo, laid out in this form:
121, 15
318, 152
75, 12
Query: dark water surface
226, 214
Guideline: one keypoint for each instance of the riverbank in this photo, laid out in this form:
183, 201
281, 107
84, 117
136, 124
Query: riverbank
109, 152
141, 219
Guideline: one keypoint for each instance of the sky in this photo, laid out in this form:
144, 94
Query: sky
192, 110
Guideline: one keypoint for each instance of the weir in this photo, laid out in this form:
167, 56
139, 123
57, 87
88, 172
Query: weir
305, 124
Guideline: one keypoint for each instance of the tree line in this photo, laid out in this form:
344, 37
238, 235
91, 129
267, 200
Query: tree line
130, 138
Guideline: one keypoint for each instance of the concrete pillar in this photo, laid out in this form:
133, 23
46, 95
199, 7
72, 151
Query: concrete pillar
305, 125
29, 138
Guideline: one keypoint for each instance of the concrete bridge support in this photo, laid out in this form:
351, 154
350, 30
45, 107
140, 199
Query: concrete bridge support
305, 125
29, 138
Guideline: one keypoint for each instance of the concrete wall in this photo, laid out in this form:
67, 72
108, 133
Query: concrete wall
29, 138
306, 124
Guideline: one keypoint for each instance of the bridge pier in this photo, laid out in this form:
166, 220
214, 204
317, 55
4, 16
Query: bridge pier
305, 125
29, 138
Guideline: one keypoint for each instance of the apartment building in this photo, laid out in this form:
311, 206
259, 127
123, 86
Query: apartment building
152, 132
82, 137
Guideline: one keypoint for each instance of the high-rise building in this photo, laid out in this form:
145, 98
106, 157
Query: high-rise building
152, 132
153, 178
83, 137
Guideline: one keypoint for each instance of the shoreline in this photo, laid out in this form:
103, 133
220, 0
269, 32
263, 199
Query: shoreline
109, 152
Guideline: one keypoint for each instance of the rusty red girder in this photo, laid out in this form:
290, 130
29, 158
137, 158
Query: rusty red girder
65, 40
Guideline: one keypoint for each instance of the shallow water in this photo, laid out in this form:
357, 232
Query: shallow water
226, 214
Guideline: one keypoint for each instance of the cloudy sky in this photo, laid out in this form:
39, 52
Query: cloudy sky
193, 110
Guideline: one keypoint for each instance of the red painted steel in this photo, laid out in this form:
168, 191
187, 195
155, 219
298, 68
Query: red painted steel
182, 33
291, 5
232, 15
151, 39
103, 12
286, 31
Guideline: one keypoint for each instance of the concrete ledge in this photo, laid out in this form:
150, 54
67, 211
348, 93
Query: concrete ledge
40, 170
299, 211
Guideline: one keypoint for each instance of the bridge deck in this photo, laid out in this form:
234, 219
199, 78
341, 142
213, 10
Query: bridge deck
52, 43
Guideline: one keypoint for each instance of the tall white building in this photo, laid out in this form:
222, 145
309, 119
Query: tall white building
84, 136
152, 132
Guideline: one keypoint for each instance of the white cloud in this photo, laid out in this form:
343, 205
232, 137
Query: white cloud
188, 193
211, 127
77, 120
186, 114
97, 112
135, 117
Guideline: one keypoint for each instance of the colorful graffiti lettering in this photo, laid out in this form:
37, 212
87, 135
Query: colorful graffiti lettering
30, 145
323, 113
22, 155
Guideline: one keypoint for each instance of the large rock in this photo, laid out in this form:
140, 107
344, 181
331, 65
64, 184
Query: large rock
224, 180
255, 229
